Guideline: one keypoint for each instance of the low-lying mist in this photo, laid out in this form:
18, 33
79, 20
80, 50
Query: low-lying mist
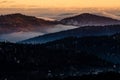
19, 36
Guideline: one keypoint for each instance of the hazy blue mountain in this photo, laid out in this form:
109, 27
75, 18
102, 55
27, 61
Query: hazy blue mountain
78, 32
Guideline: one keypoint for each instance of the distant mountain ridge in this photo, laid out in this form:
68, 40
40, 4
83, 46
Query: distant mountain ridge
13, 26
19, 22
87, 19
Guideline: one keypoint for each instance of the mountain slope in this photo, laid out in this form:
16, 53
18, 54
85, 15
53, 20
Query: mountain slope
87, 19
19, 22
78, 32
105, 47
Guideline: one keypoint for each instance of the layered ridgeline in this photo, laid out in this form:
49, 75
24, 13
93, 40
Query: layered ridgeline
17, 27
19, 22
87, 19
92, 25
78, 32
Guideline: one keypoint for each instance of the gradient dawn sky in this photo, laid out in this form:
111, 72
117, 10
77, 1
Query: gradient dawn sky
58, 3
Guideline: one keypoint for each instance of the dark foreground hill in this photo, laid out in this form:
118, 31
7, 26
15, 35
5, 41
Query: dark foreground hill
101, 76
62, 59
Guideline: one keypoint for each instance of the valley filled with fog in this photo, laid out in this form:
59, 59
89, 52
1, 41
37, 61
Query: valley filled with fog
19, 36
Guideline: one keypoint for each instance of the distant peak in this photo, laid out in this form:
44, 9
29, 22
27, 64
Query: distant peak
86, 14
16, 14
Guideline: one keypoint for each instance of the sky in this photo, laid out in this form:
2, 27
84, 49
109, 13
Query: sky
58, 3
59, 9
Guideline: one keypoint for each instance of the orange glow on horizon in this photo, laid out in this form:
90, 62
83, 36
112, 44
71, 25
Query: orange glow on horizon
59, 3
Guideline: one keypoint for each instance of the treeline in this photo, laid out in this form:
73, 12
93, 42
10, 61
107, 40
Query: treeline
100, 76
